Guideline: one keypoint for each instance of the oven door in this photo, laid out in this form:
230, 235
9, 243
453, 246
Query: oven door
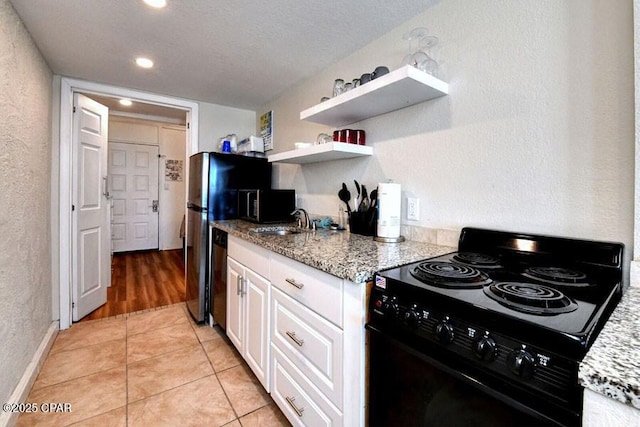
410, 388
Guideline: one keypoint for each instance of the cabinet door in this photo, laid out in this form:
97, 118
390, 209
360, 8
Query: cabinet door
235, 306
256, 342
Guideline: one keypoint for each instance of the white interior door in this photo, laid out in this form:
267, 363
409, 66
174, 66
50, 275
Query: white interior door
133, 177
91, 252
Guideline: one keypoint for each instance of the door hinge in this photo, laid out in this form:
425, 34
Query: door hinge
74, 109
73, 305
188, 125
73, 208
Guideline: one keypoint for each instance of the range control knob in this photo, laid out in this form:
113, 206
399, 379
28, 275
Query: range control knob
390, 307
413, 317
522, 363
484, 348
444, 331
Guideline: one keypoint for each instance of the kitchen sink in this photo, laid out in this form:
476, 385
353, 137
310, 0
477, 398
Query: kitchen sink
276, 231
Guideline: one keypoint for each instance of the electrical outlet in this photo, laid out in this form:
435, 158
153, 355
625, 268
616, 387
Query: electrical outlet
413, 208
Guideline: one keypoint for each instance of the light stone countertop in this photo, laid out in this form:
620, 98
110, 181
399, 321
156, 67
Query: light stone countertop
342, 254
612, 365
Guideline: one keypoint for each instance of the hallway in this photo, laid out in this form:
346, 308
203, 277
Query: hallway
153, 368
143, 280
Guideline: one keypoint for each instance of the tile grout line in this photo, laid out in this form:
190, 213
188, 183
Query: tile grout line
130, 314
195, 328
215, 373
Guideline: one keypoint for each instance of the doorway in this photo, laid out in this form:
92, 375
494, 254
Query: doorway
147, 159
143, 280
133, 178
63, 165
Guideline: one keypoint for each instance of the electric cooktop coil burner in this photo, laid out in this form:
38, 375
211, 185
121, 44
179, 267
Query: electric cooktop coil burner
530, 298
557, 276
477, 260
449, 275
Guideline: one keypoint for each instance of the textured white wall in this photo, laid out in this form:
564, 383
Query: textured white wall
25, 249
537, 133
217, 121
173, 140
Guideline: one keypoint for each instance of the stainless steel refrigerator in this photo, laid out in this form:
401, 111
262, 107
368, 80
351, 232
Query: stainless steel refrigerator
214, 181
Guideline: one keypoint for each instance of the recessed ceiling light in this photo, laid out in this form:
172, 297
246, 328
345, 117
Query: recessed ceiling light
126, 102
144, 62
158, 4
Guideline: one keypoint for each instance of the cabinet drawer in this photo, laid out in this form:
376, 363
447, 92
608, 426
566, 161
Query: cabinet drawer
301, 403
319, 291
312, 343
249, 255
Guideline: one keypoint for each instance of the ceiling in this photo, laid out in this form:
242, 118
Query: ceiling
240, 53
140, 110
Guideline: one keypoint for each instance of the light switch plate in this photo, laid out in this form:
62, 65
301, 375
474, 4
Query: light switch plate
413, 209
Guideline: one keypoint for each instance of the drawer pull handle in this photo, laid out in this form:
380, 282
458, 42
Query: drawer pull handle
290, 401
294, 283
295, 339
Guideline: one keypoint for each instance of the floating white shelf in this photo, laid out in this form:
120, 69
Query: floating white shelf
399, 89
322, 152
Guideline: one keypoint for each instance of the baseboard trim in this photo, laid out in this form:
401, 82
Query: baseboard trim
21, 392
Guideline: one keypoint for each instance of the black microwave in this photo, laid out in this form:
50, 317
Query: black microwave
265, 206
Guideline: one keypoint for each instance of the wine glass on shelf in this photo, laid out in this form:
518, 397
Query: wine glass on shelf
412, 37
432, 64
420, 56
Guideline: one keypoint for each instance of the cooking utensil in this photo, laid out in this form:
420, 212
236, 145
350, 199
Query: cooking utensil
364, 203
345, 196
357, 188
373, 198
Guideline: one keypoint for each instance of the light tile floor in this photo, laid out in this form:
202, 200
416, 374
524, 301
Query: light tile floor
156, 368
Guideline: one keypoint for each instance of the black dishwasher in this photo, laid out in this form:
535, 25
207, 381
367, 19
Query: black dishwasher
218, 279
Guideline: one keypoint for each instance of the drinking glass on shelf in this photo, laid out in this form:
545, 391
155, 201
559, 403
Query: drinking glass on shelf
423, 62
421, 58
412, 36
348, 86
338, 87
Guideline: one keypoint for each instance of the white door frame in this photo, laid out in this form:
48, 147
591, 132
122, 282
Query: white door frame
67, 88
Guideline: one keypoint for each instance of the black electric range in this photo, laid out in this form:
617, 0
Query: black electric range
512, 314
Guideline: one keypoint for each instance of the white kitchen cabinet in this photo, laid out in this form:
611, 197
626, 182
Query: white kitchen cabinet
248, 317
296, 396
314, 343
315, 289
317, 345
235, 304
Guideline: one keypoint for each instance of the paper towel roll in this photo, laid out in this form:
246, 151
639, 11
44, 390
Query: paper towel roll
389, 207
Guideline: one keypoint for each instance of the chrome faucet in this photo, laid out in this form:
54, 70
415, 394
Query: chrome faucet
307, 220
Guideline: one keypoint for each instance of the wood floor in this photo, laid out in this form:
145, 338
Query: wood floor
142, 280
